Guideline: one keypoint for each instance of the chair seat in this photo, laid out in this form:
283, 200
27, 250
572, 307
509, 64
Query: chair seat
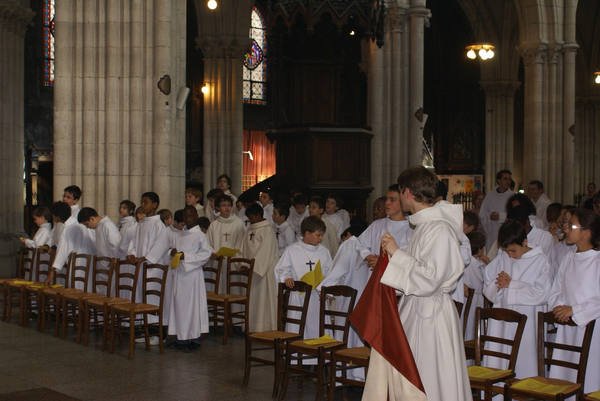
137, 308
593, 396
481, 373
355, 355
273, 335
18, 283
301, 344
101, 301
224, 297
91, 295
73, 295
541, 386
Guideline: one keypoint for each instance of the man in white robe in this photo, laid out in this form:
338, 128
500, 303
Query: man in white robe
535, 191
425, 274
519, 278
188, 309
260, 244
493, 208
300, 258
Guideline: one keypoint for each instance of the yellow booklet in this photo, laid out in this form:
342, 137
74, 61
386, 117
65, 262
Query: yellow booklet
175, 260
227, 252
314, 277
326, 339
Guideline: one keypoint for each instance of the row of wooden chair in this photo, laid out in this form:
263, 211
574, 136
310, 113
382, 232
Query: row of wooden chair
290, 350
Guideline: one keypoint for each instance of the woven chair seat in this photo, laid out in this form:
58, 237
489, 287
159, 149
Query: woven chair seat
541, 386
301, 344
593, 396
225, 297
356, 355
273, 335
137, 308
482, 373
101, 301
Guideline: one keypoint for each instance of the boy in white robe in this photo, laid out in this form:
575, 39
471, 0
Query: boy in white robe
71, 196
188, 309
298, 212
227, 230
260, 244
193, 197
473, 278
265, 200
224, 184
575, 295
535, 191
331, 238
107, 235
493, 208
338, 218
127, 226
283, 230
426, 274
519, 278
43, 236
300, 258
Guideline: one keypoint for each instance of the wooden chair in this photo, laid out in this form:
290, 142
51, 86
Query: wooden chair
50, 296
26, 260
69, 298
554, 389
212, 274
330, 320
126, 280
469, 344
483, 378
344, 360
153, 280
595, 396
286, 314
30, 300
239, 284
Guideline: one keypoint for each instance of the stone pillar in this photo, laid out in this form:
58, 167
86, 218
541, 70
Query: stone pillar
567, 130
499, 128
587, 142
115, 133
223, 38
13, 22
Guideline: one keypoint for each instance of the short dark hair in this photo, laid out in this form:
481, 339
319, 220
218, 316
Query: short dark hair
129, 205
471, 218
43, 211
421, 183
282, 208
441, 190
511, 232
300, 199
254, 210
519, 213
214, 193
61, 210
537, 183
73, 190
178, 216
223, 198
553, 212
85, 214
203, 223
477, 241
357, 226
392, 188
311, 224
153, 196
319, 201
164, 214
227, 178
500, 173
588, 220
520, 200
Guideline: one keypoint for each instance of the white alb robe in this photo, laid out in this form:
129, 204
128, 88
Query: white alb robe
527, 293
43, 236
295, 219
225, 232
268, 212
260, 244
188, 309
426, 273
297, 260
335, 221
345, 216
331, 240
108, 238
285, 236
74, 238
559, 251
370, 239
127, 228
473, 278
540, 238
494, 201
57, 232
577, 284
540, 211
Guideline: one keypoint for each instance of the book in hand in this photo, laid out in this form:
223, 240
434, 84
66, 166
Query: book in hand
227, 252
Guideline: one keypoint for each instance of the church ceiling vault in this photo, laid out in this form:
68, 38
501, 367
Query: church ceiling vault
342, 12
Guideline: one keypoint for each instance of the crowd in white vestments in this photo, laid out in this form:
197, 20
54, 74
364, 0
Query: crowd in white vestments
518, 251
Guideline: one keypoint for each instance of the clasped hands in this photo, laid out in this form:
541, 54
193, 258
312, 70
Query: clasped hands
563, 313
503, 280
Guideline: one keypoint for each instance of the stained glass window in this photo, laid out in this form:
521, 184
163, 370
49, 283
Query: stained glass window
255, 68
48, 41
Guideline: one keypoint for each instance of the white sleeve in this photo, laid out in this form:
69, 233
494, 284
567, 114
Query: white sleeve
536, 293
283, 268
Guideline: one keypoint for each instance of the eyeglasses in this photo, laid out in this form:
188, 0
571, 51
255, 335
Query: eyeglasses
571, 226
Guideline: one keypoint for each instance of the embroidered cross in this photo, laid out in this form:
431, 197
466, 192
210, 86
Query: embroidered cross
310, 264
226, 236
251, 236
277, 234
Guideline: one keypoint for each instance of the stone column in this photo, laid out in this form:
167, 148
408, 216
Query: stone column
587, 142
499, 128
567, 132
13, 22
115, 133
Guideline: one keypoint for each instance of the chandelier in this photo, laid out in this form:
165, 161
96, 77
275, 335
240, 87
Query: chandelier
484, 51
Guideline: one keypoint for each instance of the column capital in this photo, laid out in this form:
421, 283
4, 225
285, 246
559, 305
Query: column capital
396, 18
419, 11
14, 16
500, 87
570, 47
534, 53
555, 53
219, 47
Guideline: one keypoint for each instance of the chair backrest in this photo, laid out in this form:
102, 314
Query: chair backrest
482, 315
212, 273
154, 281
63, 275
239, 276
43, 262
126, 279
102, 275
467, 309
81, 264
330, 317
546, 348
292, 314
26, 262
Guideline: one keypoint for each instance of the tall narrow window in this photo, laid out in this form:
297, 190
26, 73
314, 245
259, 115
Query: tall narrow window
255, 68
48, 41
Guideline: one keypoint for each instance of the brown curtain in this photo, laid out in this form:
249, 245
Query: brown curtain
263, 165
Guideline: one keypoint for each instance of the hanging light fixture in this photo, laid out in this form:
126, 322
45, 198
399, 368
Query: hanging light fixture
205, 89
212, 4
484, 51
597, 77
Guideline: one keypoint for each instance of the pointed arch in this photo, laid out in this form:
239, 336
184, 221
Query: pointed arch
48, 42
254, 61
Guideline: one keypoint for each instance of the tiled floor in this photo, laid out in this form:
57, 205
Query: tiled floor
30, 359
